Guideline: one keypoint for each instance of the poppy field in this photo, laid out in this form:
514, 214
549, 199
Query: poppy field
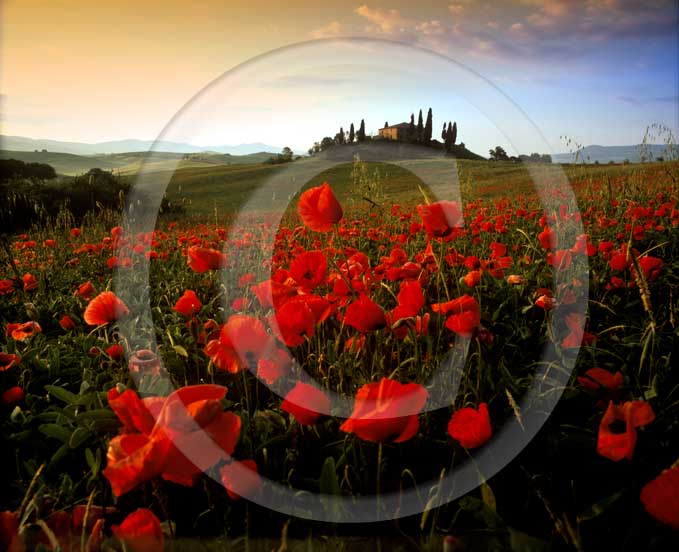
356, 350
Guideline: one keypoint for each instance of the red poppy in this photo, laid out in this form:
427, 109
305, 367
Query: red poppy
297, 318
104, 308
319, 209
309, 269
470, 427
67, 324
473, 278
6, 287
270, 293
190, 421
85, 291
115, 351
660, 497
241, 476
515, 280
9, 532
12, 396
141, 532
561, 260
547, 238
651, 267
273, 365
365, 315
618, 445
241, 343
386, 411
188, 304
30, 282
202, 259
440, 218
465, 317
24, 330
306, 403
7, 360
598, 378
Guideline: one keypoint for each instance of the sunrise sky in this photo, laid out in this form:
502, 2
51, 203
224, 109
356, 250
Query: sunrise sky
598, 71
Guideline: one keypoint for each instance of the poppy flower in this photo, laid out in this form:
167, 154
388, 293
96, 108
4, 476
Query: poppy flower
386, 411
30, 282
365, 315
660, 497
440, 218
515, 280
240, 475
22, 331
12, 396
104, 308
9, 532
616, 445
546, 301
297, 318
470, 427
115, 351
547, 238
141, 532
270, 293
273, 365
188, 304
410, 301
189, 420
596, 379
7, 360
67, 324
319, 209
306, 403
241, 343
651, 267
202, 259
6, 287
561, 260
85, 291
465, 317
473, 278
309, 269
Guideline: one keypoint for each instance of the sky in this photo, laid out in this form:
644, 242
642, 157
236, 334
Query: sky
592, 71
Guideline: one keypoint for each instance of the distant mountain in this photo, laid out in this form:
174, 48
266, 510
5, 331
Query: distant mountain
617, 154
21, 143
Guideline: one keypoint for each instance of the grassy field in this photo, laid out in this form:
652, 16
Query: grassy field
224, 189
129, 163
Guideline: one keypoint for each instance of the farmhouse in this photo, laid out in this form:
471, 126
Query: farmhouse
395, 132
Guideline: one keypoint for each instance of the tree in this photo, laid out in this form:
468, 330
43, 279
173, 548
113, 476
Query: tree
360, 136
449, 137
498, 154
351, 133
339, 137
386, 124
286, 154
419, 137
428, 127
453, 136
326, 143
443, 132
411, 127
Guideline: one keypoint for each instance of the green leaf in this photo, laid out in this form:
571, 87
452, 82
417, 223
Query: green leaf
62, 394
601, 506
488, 497
56, 432
78, 437
96, 414
181, 351
329, 486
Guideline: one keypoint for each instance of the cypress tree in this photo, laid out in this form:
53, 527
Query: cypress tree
443, 133
411, 127
449, 136
351, 133
454, 134
428, 127
420, 128
360, 136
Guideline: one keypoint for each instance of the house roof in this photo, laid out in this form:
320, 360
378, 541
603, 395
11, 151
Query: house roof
400, 125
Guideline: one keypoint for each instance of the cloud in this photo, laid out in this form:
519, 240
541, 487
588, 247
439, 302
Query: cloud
334, 28
529, 30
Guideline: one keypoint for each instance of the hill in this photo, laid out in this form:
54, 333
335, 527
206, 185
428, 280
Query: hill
21, 143
617, 154
129, 162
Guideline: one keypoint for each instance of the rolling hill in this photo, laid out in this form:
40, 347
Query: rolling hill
617, 154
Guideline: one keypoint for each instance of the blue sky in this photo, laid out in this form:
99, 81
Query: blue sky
597, 71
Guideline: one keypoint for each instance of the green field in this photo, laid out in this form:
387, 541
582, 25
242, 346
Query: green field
224, 189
